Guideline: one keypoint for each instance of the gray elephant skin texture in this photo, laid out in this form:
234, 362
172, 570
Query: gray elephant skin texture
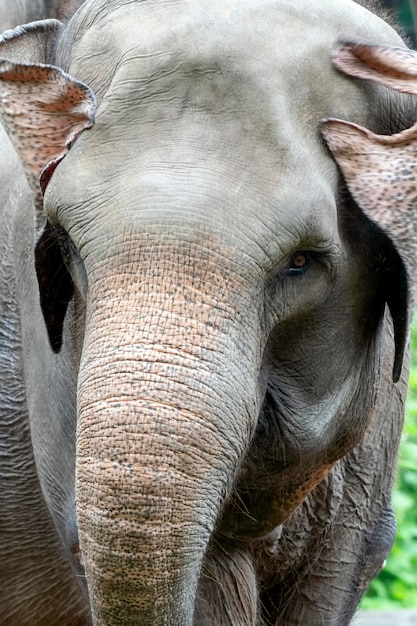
37, 583
209, 250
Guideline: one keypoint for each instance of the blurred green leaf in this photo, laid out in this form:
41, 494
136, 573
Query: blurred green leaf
396, 585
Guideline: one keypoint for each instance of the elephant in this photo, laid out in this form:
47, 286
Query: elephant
37, 584
215, 352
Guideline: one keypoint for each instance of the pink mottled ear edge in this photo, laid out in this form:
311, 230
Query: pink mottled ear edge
380, 172
44, 110
390, 66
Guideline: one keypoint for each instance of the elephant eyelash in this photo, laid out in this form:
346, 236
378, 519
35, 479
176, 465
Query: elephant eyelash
302, 261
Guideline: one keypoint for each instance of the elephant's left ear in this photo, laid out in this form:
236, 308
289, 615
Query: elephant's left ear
381, 174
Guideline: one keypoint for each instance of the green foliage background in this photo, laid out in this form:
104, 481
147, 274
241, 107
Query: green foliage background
396, 585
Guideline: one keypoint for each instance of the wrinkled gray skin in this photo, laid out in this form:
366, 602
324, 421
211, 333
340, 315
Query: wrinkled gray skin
37, 585
215, 386
15, 12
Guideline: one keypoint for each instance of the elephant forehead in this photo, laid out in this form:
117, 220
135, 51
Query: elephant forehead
224, 95
213, 108
269, 49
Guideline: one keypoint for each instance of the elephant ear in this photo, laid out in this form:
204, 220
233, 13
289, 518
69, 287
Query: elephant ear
380, 172
30, 42
44, 110
393, 67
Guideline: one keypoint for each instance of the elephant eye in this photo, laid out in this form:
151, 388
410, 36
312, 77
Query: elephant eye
299, 264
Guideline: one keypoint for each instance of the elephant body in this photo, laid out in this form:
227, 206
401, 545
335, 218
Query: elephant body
37, 584
216, 368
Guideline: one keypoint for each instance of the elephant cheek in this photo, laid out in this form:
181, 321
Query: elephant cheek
155, 460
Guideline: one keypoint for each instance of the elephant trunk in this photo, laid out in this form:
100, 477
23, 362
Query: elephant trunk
161, 431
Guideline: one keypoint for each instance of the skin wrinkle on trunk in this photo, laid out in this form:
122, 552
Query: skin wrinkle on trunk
154, 448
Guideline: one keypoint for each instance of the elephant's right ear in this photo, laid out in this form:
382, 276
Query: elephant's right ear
380, 172
390, 66
44, 110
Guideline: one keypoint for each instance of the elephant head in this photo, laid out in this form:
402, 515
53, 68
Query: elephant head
218, 279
